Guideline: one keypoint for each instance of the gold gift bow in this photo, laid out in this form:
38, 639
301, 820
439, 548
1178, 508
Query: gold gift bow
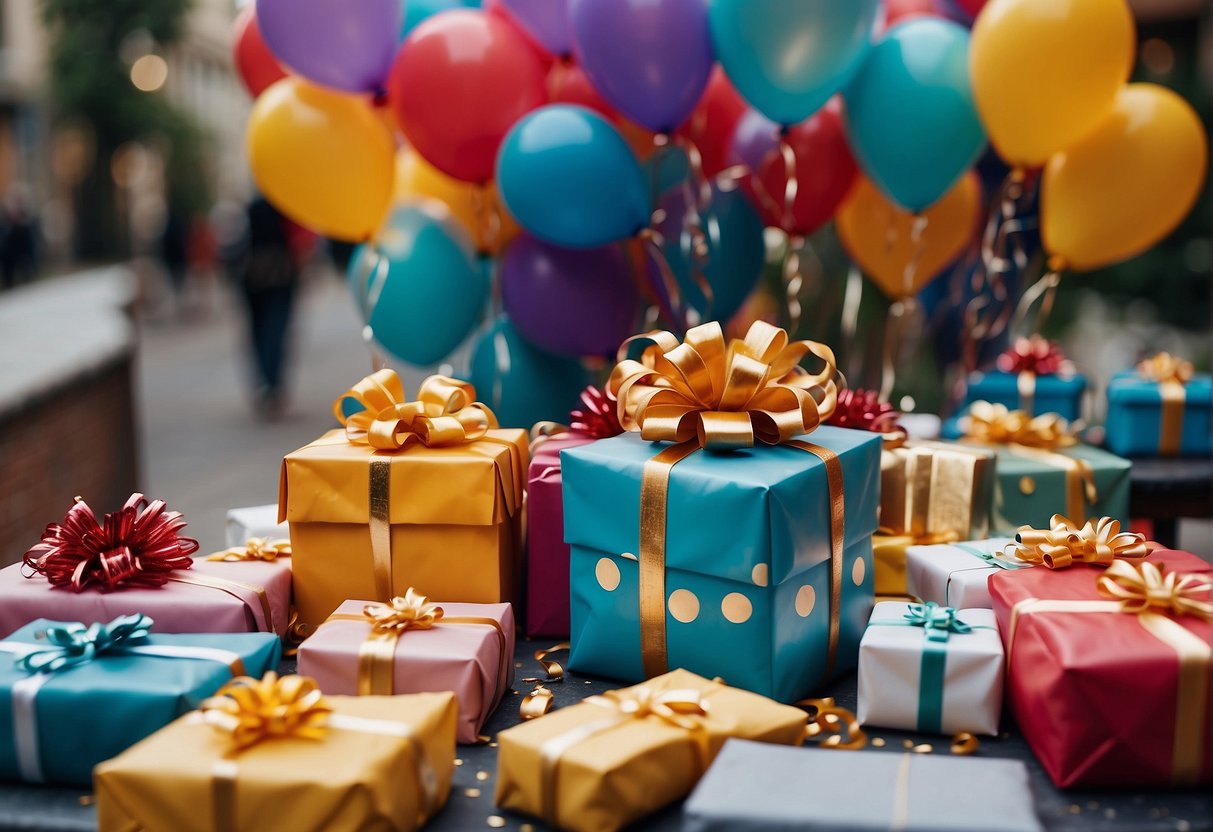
255, 548
389, 621
686, 709
928, 492
1171, 374
252, 711
1064, 543
445, 413
1038, 438
702, 393
1145, 590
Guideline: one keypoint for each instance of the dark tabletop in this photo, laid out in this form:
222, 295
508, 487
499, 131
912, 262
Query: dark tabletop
471, 804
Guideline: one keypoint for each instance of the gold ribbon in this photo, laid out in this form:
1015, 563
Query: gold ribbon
702, 393
1171, 374
685, 709
1038, 438
445, 413
1065, 543
930, 491
236, 589
251, 711
389, 621
1144, 589
255, 548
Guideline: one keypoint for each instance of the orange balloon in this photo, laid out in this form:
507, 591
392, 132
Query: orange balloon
878, 234
478, 209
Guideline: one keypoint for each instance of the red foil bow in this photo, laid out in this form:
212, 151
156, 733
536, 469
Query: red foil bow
596, 418
138, 545
1033, 355
863, 410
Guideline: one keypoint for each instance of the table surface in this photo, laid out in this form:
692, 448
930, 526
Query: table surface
24, 807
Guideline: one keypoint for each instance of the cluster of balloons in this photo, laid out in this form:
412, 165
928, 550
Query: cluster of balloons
582, 160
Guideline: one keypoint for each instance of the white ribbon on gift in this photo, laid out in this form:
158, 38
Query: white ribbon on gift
25, 692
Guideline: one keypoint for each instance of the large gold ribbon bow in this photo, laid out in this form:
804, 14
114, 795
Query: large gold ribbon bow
724, 396
253, 710
1164, 367
410, 611
997, 425
445, 412
1171, 374
1146, 587
254, 549
1098, 541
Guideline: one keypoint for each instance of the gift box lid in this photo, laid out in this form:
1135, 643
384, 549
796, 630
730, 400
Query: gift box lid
1131, 388
767, 787
479, 483
726, 512
996, 381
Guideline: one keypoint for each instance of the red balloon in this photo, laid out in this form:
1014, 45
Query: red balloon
568, 84
898, 10
255, 63
710, 127
825, 172
458, 84
973, 7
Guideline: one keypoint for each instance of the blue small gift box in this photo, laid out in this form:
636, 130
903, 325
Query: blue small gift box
749, 560
1148, 418
73, 696
1060, 393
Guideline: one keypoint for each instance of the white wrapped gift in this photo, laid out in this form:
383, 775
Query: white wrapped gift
956, 574
923, 667
254, 521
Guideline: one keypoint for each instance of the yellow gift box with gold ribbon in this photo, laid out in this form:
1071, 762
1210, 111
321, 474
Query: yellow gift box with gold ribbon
425, 493
605, 762
722, 539
276, 753
1043, 469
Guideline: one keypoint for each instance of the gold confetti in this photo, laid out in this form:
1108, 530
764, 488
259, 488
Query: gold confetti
86, 800
527, 827
907, 744
964, 743
587, 681
517, 664
458, 761
923, 748
492, 745
483, 775
483, 738
472, 792
1075, 809
496, 821
878, 742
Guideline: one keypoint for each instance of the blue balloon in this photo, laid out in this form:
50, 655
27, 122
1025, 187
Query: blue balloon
521, 383
419, 286
416, 11
569, 178
911, 117
787, 57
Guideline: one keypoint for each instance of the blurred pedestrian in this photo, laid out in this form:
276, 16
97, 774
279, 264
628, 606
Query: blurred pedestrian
173, 254
19, 242
264, 263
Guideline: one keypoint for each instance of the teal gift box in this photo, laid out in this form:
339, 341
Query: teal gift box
748, 560
1061, 394
1146, 418
63, 720
1080, 481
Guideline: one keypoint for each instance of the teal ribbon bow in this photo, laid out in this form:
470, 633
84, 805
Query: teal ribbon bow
76, 644
938, 624
992, 558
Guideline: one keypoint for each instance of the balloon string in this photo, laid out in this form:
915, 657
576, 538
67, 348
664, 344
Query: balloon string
852, 298
894, 331
699, 199
698, 181
918, 228
488, 218
671, 304
793, 280
1044, 290
370, 282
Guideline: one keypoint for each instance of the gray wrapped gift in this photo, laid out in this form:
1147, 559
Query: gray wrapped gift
756, 786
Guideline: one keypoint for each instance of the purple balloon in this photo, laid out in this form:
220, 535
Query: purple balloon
547, 21
650, 59
753, 138
568, 301
347, 45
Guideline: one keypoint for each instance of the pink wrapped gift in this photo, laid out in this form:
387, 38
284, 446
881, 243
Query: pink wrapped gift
547, 583
413, 646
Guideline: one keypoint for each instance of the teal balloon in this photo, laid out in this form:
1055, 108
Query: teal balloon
416, 11
911, 118
521, 383
787, 57
420, 287
570, 179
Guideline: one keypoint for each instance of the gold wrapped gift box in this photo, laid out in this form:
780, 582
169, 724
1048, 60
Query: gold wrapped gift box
383, 762
605, 762
370, 524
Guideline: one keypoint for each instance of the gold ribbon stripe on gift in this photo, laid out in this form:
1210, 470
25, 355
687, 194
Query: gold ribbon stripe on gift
685, 709
1065, 543
1038, 438
703, 394
251, 711
389, 621
1171, 374
444, 414
1154, 596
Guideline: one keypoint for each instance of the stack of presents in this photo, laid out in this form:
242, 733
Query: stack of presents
723, 528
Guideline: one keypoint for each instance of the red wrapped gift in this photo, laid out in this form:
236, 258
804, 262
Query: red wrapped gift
1108, 669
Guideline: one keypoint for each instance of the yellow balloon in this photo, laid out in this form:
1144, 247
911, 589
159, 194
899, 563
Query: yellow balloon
323, 157
1126, 185
878, 234
473, 206
1045, 72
